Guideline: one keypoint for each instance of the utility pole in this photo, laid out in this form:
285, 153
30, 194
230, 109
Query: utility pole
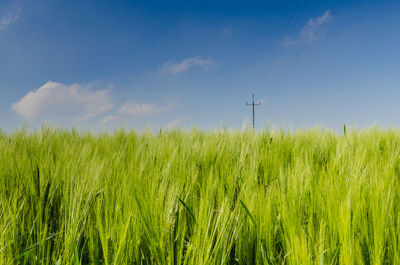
253, 104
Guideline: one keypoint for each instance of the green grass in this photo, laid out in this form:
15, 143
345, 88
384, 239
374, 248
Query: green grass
273, 197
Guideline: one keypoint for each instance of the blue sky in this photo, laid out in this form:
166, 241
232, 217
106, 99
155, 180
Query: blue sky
107, 64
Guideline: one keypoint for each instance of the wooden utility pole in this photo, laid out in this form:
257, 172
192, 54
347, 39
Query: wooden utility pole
253, 104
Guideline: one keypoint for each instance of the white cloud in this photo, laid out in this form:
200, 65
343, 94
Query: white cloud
309, 32
136, 109
109, 118
173, 123
186, 64
54, 100
10, 17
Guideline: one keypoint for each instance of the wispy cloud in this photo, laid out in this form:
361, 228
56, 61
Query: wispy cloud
108, 119
144, 109
309, 32
11, 15
173, 123
186, 64
131, 111
77, 102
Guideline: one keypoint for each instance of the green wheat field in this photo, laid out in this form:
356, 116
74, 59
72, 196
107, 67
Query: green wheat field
194, 197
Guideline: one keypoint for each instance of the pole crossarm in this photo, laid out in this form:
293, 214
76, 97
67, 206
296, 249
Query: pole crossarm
253, 104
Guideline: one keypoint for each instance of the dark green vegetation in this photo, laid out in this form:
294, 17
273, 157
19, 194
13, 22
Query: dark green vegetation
310, 197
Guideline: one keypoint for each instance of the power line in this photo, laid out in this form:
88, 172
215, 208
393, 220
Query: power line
299, 14
332, 11
335, 6
289, 25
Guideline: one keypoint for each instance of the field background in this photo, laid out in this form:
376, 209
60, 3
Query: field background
222, 197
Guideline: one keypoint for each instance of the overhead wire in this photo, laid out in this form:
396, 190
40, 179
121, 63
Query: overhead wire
288, 26
333, 10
